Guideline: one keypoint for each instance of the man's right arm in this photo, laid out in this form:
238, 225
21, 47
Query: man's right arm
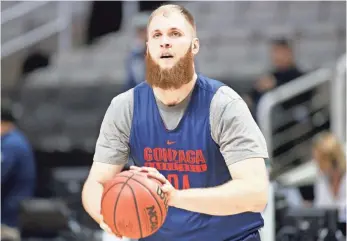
111, 152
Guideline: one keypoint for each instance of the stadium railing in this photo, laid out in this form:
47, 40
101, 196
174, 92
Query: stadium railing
60, 25
335, 78
338, 102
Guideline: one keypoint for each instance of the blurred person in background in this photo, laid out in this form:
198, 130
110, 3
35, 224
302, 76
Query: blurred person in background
135, 62
282, 57
330, 187
284, 69
18, 174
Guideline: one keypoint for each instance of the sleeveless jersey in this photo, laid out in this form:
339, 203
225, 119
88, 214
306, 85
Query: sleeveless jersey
189, 158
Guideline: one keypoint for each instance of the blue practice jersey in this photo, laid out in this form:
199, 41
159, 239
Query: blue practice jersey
189, 158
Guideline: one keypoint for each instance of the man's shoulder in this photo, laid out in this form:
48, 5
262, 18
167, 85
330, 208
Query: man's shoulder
121, 107
124, 98
221, 89
208, 83
225, 99
225, 95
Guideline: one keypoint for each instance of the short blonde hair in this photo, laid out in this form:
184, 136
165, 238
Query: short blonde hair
172, 8
330, 147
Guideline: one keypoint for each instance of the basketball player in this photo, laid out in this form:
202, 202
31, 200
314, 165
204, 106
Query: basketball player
191, 132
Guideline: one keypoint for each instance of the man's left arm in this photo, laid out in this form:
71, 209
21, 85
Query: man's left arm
247, 192
244, 149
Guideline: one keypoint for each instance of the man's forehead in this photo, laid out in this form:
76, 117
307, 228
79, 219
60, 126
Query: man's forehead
166, 19
166, 13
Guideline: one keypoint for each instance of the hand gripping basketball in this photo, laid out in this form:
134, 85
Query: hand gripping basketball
133, 205
166, 187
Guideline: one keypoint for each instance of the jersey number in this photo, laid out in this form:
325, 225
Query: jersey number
175, 181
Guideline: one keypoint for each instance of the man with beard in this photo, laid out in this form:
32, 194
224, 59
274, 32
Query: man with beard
192, 133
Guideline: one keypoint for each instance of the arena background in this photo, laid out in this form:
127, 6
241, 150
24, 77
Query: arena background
63, 62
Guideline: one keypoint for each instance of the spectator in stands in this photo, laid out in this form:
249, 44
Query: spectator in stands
135, 62
284, 70
283, 61
18, 174
330, 187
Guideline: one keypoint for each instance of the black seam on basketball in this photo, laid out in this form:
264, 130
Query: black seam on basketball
134, 174
137, 209
154, 197
104, 194
124, 176
115, 205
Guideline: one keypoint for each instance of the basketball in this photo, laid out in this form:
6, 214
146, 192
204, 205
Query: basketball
133, 205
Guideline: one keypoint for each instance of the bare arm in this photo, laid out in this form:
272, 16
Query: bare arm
111, 151
99, 174
247, 192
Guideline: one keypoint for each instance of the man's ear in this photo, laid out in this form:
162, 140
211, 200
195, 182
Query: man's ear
146, 52
195, 46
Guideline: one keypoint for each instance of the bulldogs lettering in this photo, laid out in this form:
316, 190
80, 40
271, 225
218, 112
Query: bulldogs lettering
153, 218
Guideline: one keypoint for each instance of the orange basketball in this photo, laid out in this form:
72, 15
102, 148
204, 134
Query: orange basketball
133, 205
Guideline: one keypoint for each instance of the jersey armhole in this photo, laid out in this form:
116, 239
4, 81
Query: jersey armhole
210, 117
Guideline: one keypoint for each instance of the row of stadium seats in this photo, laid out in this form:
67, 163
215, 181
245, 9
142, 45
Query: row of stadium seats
64, 118
244, 47
216, 59
255, 13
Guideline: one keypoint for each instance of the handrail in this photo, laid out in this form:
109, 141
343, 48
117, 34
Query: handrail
20, 9
32, 37
61, 24
266, 104
283, 93
338, 100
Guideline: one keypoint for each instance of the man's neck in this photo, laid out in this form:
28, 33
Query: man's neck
175, 96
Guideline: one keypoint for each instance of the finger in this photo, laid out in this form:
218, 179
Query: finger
135, 168
166, 188
104, 227
150, 169
157, 176
139, 169
144, 169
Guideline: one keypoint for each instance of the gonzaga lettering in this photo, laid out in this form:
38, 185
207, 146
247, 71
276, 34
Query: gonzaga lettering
178, 160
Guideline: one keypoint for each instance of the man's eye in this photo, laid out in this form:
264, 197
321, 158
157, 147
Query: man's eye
157, 35
176, 34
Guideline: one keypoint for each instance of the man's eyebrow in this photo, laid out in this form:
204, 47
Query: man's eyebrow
173, 28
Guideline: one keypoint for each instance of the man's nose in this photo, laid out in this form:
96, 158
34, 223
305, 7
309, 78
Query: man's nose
165, 42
